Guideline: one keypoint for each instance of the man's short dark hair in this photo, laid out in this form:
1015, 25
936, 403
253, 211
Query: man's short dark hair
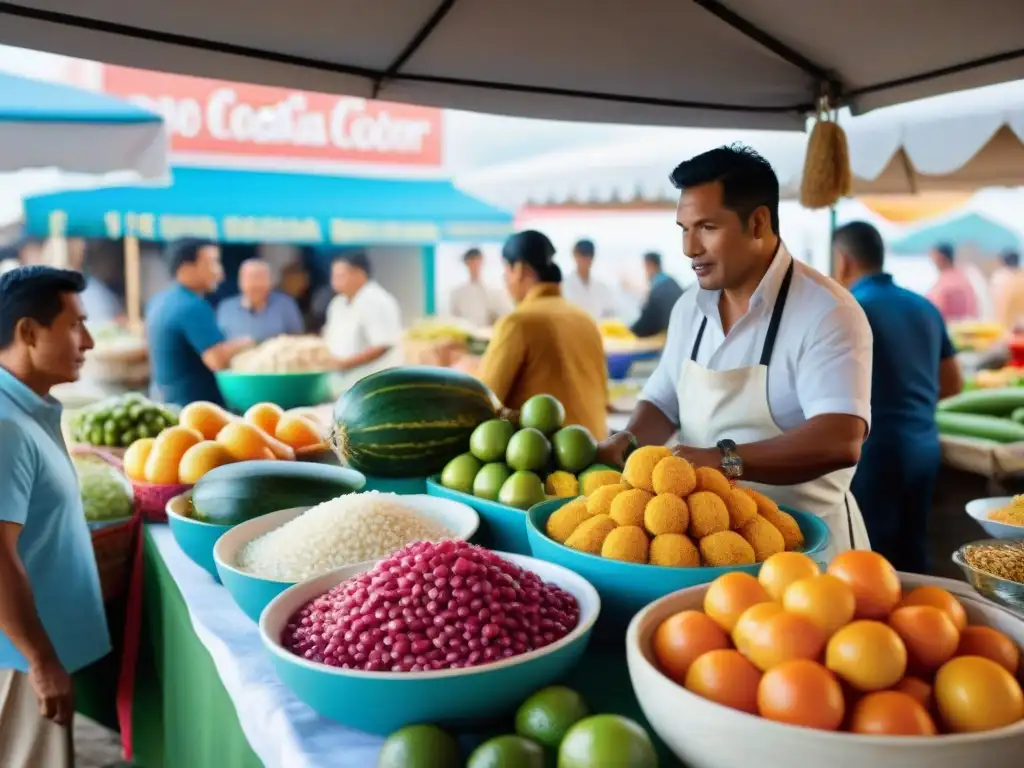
945, 250
472, 253
34, 292
862, 243
652, 258
1010, 259
748, 180
355, 259
184, 251
584, 248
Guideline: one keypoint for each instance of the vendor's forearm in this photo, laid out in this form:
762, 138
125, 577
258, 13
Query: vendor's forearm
649, 425
822, 445
19, 620
365, 357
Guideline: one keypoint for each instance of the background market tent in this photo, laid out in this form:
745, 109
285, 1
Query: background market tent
46, 125
971, 230
745, 64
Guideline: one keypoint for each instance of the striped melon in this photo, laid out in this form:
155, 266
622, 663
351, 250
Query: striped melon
409, 422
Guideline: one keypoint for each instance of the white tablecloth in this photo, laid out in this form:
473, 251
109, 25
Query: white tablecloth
282, 730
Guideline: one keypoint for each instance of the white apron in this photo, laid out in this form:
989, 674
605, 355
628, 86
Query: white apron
719, 405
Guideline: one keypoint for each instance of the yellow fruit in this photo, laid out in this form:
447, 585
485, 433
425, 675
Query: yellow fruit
823, 599
748, 623
975, 694
266, 416
297, 431
244, 441
562, 485
730, 595
594, 480
200, 459
206, 418
165, 456
781, 570
868, 655
134, 460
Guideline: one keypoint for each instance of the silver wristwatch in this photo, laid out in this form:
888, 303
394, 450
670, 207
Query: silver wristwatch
732, 464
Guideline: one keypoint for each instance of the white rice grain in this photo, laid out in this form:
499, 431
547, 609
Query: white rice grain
349, 529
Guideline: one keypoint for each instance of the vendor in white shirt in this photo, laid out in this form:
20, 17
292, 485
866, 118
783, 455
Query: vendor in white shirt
586, 291
364, 322
766, 372
474, 301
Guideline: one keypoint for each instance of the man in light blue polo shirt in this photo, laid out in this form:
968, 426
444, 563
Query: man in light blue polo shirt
258, 312
51, 610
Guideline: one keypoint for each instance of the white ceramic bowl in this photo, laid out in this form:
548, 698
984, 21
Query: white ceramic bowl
252, 593
980, 509
703, 734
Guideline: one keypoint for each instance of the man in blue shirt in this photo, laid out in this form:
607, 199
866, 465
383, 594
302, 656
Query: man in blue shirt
662, 296
185, 344
51, 609
914, 367
258, 311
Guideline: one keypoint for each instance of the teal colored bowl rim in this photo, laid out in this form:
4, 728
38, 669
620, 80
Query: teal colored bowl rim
191, 521
579, 632
270, 374
536, 509
435, 481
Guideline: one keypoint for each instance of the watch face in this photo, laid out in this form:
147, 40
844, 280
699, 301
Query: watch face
732, 466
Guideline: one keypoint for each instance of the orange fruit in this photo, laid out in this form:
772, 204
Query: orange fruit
749, 621
938, 597
246, 442
297, 431
801, 692
891, 713
200, 459
928, 633
725, 677
869, 655
134, 460
265, 416
730, 595
681, 639
917, 689
874, 582
974, 694
782, 569
784, 637
991, 644
165, 456
823, 599
206, 418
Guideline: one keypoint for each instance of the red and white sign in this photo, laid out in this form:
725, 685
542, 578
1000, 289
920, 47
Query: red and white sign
216, 117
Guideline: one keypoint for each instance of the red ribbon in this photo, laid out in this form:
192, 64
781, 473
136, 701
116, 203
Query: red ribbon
132, 641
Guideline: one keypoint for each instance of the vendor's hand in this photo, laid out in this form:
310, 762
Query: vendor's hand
699, 457
613, 450
54, 690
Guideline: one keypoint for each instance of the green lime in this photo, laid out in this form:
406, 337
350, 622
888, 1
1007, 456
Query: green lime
507, 752
548, 714
490, 439
111, 439
607, 741
96, 436
488, 481
528, 449
459, 473
143, 430
419, 746
128, 437
522, 490
575, 448
159, 424
119, 413
542, 412
135, 411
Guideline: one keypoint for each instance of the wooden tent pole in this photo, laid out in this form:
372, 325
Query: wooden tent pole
133, 284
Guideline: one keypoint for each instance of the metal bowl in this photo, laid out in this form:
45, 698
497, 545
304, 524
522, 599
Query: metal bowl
1002, 591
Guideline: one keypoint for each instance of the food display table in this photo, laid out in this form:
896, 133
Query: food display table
207, 695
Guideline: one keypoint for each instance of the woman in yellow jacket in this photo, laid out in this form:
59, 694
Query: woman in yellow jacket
546, 345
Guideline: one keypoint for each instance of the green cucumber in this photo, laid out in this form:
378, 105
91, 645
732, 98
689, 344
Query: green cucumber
980, 426
985, 402
234, 493
1017, 415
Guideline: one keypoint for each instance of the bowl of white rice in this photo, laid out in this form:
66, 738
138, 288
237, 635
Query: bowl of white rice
262, 557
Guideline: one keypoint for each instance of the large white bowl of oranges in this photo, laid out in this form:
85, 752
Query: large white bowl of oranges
858, 666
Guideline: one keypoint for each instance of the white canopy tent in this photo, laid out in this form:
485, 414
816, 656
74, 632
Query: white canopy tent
745, 64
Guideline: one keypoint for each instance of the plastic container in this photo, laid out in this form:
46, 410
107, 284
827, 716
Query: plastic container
288, 390
196, 539
501, 527
980, 509
252, 593
381, 702
703, 734
625, 588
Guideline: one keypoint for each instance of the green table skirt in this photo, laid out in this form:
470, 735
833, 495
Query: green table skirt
183, 716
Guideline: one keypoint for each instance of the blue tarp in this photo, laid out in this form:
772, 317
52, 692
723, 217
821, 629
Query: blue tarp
969, 229
25, 100
234, 206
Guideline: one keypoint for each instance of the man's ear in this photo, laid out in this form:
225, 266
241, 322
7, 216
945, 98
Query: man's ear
27, 330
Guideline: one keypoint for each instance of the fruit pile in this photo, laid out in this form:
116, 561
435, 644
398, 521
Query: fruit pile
521, 467
117, 422
662, 511
207, 436
553, 726
844, 650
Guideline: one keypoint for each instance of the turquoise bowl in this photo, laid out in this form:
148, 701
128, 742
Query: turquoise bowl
625, 588
196, 539
404, 486
253, 593
241, 391
381, 702
501, 527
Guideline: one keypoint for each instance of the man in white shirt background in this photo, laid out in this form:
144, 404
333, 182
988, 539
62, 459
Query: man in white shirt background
475, 301
583, 289
364, 321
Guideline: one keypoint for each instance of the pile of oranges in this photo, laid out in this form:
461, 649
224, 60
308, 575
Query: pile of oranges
843, 650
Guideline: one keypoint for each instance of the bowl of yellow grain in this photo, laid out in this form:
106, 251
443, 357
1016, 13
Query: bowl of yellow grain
995, 568
1001, 517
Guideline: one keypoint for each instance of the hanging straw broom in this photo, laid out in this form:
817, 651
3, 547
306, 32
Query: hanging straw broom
827, 176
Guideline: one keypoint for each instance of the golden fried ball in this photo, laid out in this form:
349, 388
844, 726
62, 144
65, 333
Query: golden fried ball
627, 543
674, 550
742, 508
640, 466
567, 519
674, 475
600, 501
666, 513
725, 548
763, 537
710, 479
628, 507
708, 514
591, 533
